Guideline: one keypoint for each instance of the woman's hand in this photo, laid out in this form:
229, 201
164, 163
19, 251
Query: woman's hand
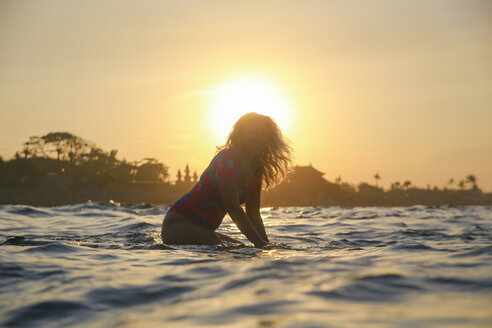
261, 244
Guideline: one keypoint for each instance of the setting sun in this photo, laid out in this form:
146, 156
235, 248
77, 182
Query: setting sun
355, 187
232, 100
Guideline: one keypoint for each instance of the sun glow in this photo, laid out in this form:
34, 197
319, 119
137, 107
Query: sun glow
234, 99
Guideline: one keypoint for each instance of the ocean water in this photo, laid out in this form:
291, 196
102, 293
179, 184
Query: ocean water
104, 265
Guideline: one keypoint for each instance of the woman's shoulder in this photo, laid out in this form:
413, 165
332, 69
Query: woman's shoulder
225, 155
225, 163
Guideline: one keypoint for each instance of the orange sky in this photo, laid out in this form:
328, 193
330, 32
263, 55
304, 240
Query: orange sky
403, 88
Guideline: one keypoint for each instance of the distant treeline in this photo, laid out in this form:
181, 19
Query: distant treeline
81, 162
305, 186
62, 168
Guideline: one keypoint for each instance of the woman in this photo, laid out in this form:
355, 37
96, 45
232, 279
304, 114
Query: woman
255, 152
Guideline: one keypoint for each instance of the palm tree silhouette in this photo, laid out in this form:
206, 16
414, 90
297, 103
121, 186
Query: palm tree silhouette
472, 179
395, 185
450, 183
377, 177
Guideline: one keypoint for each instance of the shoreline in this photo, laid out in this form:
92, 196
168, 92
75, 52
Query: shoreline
166, 194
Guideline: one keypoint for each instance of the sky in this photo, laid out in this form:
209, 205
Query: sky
402, 88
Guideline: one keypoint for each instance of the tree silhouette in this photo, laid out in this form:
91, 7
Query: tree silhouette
471, 179
377, 177
395, 185
179, 176
407, 184
33, 147
151, 170
26, 151
450, 183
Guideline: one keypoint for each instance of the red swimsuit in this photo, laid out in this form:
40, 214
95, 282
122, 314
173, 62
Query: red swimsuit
203, 203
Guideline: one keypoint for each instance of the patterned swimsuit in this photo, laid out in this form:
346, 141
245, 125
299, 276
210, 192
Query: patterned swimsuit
203, 203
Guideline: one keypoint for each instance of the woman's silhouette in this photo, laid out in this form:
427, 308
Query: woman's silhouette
255, 153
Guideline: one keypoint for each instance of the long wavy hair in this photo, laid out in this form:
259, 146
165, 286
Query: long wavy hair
276, 160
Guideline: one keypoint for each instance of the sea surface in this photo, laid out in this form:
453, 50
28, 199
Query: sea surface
104, 265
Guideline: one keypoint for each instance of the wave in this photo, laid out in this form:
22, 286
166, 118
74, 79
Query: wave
47, 312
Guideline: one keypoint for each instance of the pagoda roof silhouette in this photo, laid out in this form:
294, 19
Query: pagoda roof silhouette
306, 171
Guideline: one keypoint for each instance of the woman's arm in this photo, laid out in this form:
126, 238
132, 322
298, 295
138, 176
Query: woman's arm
253, 212
230, 199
